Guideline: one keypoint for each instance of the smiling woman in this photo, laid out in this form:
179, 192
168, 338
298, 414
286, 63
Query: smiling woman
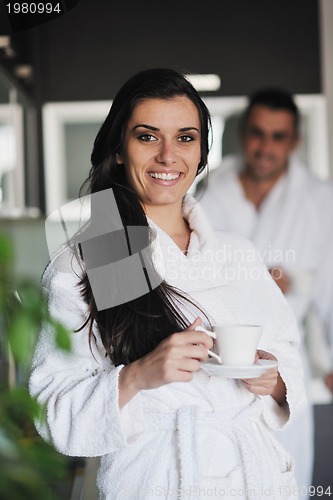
134, 389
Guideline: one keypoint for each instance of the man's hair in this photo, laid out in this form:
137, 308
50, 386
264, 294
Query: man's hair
272, 98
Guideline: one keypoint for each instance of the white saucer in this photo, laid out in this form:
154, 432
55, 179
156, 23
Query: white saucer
213, 367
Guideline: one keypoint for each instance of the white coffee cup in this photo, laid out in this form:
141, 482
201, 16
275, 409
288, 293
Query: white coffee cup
236, 344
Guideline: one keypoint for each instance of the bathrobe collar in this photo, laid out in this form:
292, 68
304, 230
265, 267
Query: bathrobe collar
202, 235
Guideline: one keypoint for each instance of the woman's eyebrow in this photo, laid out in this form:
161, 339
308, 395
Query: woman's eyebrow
188, 129
155, 129
149, 127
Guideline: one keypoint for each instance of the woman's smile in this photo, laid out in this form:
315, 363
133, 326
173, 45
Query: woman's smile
165, 178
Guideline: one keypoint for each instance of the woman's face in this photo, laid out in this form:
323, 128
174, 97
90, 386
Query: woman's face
161, 149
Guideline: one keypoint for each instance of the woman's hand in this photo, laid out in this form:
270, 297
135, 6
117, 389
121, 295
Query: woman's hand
175, 359
269, 383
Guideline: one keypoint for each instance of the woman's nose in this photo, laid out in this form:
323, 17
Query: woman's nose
167, 153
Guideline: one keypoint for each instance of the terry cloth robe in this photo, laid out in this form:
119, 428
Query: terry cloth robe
292, 229
181, 440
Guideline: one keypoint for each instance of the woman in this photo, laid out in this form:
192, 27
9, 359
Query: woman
134, 389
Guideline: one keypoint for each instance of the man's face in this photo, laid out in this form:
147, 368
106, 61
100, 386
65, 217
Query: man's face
269, 138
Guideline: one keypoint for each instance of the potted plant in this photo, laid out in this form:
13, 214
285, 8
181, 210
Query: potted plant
29, 467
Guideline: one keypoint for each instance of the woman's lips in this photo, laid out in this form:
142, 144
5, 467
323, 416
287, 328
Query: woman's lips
165, 179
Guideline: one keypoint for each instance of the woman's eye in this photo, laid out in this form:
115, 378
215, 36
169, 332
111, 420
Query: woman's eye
186, 138
146, 138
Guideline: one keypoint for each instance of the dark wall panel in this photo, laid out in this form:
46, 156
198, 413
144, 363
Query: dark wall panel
88, 53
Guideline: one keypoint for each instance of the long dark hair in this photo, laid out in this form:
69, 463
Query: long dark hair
131, 330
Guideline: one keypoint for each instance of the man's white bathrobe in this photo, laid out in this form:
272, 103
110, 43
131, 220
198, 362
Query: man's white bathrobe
181, 440
293, 230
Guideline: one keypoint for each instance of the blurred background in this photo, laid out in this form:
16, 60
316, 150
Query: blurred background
57, 81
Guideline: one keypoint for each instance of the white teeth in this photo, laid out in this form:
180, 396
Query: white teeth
164, 176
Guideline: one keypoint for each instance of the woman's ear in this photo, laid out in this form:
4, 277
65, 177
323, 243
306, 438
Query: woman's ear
119, 159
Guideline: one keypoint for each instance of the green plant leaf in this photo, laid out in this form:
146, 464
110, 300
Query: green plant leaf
28, 465
6, 250
30, 296
21, 334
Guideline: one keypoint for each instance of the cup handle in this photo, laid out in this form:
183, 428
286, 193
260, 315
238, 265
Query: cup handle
200, 328
213, 336
216, 356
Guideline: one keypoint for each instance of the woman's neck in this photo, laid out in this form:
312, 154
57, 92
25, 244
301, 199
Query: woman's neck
170, 219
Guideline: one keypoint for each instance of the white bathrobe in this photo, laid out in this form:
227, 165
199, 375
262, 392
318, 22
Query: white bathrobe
181, 440
293, 230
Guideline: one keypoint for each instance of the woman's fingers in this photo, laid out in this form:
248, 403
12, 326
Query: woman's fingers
202, 338
188, 337
175, 359
190, 365
197, 351
196, 322
266, 355
188, 346
265, 384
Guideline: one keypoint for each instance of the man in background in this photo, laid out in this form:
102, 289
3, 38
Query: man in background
269, 196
